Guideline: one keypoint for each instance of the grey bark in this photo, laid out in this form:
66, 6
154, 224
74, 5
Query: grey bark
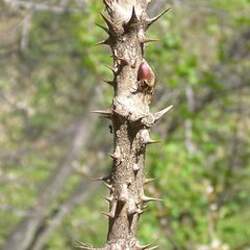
133, 83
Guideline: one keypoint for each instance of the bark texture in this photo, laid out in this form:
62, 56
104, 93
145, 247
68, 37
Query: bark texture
133, 83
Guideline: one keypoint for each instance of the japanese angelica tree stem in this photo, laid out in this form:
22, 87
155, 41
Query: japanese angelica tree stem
133, 83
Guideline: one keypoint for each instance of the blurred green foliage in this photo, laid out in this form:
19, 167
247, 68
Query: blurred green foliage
201, 169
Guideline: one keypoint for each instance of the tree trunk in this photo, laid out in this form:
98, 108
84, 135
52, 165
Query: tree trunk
133, 83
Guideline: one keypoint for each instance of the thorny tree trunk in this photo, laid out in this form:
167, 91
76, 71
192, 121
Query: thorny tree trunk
133, 83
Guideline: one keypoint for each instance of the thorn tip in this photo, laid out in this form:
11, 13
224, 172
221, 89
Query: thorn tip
154, 19
160, 114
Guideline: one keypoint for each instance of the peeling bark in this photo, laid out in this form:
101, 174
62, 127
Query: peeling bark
134, 84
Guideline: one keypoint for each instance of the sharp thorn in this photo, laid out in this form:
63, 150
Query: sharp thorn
144, 246
103, 28
113, 156
104, 42
108, 214
140, 211
108, 198
158, 115
110, 68
152, 248
146, 181
105, 179
110, 83
117, 153
149, 40
110, 187
151, 141
147, 246
145, 137
133, 19
104, 113
107, 4
108, 22
154, 19
83, 245
148, 199
111, 214
84, 248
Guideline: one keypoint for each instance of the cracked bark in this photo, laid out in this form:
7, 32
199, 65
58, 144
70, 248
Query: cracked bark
133, 83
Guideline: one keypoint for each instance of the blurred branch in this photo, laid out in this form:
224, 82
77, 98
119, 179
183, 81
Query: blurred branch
78, 196
203, 101
164, 225
18, 212
57, 9
81, 194
188, 124
40, 144
24, 233
233, 156
25, 31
